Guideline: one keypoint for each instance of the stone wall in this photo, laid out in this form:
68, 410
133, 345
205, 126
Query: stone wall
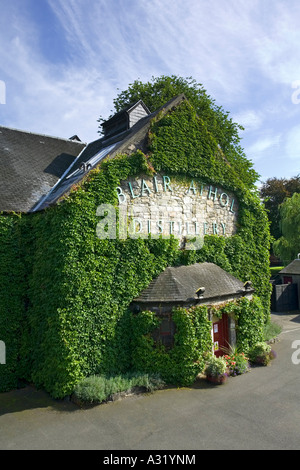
164, 206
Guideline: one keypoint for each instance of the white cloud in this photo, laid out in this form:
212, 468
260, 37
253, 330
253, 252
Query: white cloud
250, 119
46, 98
131, 39
262, 146
278, 54
244, 53
292, 148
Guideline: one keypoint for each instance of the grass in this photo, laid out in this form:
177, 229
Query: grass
271, 330
275, 270
99, 388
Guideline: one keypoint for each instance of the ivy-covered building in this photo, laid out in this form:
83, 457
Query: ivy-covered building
199, 284
85, 229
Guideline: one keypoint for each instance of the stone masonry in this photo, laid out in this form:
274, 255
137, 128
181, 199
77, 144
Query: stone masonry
164, 206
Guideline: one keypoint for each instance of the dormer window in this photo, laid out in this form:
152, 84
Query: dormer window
125, 119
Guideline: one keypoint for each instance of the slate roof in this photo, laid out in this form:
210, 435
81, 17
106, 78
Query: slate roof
125, 143
180, 283
37, 170
292, 268
30, 165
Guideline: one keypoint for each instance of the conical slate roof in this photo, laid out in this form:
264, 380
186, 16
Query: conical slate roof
180, 283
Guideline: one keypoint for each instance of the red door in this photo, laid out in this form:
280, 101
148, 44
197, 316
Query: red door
221, 335
287, 280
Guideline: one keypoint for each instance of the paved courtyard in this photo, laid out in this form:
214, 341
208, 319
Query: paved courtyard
258, 410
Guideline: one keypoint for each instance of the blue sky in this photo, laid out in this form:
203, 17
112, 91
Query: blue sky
62, 62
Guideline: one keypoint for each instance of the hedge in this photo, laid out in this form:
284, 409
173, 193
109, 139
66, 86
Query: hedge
12, 299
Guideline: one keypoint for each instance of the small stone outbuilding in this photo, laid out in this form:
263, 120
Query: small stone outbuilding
286, 290
291, 273
187, 286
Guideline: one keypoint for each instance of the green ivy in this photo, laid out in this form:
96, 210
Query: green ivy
182, 363
65, 293
193, 341
249, 319
12, 305
181, 145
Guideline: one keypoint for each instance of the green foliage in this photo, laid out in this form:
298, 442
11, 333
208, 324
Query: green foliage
271, 330
274, 270
250, 322
273, 192
98, 388
65, 293
261, 353
12, 294
182, 363
181, 145
215, 367
156, 92
237, 363
191, 353
249, 318
287, 246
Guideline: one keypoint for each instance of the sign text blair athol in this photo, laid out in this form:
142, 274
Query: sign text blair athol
158, 207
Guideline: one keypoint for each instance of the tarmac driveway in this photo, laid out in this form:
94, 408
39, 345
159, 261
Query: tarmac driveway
257, 410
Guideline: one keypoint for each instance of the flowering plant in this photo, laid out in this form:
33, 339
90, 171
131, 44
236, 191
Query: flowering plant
237, 363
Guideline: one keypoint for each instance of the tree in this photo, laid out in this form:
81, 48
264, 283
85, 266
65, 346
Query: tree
158, 91
288, 245
273, 193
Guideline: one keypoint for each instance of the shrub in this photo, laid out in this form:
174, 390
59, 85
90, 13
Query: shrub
271, 330
91, 389
98, 388
181, 364
261, 353
215, 367
236, 361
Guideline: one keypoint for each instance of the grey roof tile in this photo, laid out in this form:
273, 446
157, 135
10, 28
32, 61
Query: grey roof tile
292, 268
30, 164
37, 170
180, 283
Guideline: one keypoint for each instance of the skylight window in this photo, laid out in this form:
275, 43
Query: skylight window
93, 160
96, 158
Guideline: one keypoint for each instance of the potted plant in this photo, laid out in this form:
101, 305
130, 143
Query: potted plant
261, 354
215, 370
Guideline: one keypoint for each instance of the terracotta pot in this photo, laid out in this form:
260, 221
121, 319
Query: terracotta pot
216, 379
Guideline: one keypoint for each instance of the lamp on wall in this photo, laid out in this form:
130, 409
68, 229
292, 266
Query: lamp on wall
200, 292
247, 285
